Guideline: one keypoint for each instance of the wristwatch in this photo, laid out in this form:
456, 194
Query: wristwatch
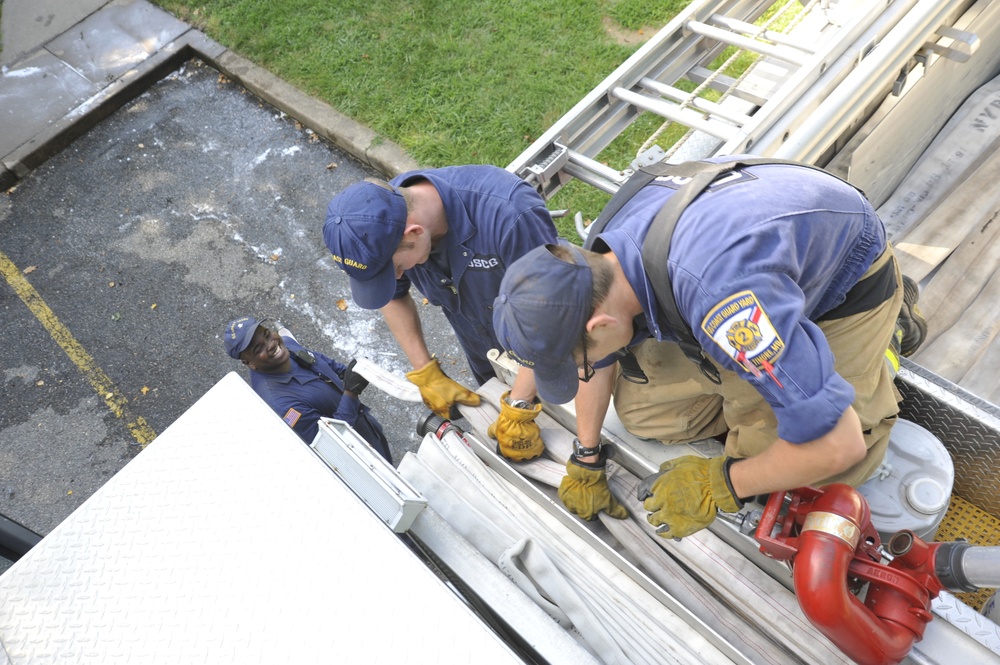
580, 451
519, 403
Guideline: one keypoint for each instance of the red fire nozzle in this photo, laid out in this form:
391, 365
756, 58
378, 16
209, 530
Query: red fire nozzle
828, 536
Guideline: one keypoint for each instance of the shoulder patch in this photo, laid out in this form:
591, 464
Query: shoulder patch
739, 325
291, 417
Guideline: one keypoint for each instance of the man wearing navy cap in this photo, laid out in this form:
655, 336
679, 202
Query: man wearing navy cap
301, 385
788, 289
451, 232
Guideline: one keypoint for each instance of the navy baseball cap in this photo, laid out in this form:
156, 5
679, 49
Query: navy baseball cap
237, 335
363, 228
540, 314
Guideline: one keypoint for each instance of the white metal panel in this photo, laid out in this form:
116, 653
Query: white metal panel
371, 477
228, 541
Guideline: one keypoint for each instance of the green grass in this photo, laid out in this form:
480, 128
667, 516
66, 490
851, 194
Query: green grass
640, 14
451, 81
454, 81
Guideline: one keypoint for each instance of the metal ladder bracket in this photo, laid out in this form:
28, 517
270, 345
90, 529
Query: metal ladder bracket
964, 44
548, 169
808, 86
651, 155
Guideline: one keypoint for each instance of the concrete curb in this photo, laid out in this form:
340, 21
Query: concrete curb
33, 152
347, 134
360, 141
7, 178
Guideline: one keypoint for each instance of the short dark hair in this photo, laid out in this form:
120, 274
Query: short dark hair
602, 276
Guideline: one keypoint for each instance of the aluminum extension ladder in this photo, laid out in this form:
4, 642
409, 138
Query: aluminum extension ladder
818, 68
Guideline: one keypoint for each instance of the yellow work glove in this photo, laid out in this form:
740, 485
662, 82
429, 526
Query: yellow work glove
684, 496
584, 490
518, 437
438, 391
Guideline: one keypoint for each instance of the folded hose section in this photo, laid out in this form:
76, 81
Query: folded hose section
756, 616
615, 618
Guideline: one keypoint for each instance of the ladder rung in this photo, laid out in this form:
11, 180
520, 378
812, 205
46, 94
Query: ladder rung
750, 29
593, 173
724, 83
673, 112
782, 53
708, 106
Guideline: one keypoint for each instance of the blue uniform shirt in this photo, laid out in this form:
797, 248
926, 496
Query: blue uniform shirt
754, 261
494, 218
300, 397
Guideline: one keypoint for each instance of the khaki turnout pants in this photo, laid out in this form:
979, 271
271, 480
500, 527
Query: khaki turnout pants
679, 404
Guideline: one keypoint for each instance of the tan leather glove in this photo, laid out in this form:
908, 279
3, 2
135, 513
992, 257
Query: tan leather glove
584, 490
440, 392
518, 437
684, 496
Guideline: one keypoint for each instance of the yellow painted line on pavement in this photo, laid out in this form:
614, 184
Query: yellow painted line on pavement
100, 381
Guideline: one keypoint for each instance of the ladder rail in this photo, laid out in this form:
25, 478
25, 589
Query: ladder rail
776, 119
600, 117
683, 50
867, 81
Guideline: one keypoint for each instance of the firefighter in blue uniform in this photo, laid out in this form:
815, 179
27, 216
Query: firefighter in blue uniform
301, 385
451, 232
785, 277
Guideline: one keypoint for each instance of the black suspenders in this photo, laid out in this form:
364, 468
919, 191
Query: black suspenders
656, 246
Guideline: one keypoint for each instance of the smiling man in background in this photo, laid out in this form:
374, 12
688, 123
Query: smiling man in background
301, 385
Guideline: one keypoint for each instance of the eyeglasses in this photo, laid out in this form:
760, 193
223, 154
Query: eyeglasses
588, 369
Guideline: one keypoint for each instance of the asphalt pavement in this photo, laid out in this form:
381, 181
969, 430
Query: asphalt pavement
148, 201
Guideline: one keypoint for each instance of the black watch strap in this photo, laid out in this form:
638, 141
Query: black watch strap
581, 451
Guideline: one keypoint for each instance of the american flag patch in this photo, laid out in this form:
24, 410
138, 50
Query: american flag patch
292, 417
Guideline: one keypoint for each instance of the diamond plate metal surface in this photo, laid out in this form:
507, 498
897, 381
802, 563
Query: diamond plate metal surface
968, 426
228, 541
968, 620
